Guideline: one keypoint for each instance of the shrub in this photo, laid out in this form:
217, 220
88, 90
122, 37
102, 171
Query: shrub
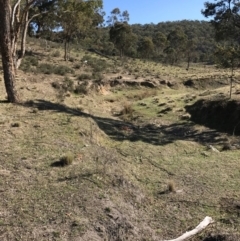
127, 109
171, 186
56, 85
84, 77
56, 53
46, 68
71, 59
77, 66
28, 62
66, 160
82, 88
68, 84
97, 76
62, 70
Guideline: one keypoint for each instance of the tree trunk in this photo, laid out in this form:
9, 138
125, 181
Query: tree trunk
6, 51
65, 51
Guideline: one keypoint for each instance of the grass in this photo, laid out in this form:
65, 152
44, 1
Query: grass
115, 186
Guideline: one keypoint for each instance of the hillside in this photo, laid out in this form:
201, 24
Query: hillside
143, 168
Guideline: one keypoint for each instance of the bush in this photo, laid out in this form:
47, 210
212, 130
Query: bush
56, 53
66, 160
82, 88
56, 85
84, 77
98, 65
28, 62
77, 66
68, 84
62, 70
46, 68
52, 69
97, 76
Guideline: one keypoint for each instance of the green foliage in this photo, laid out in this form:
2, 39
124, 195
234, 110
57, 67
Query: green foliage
98, 65
68, 84
62, 70
84, 77
52, 69
46, 68
97, 76
76, 18
228, 56
122, 37
225, 19
176, 44
28, 62
116, 17
146, 47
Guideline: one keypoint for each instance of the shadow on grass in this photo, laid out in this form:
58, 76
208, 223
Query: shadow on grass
149, 133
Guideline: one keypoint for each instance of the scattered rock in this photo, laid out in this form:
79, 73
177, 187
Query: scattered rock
185, 117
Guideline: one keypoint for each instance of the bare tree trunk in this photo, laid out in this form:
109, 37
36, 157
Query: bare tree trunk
6, 51
23, 40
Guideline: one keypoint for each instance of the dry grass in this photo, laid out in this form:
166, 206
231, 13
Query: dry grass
111, 189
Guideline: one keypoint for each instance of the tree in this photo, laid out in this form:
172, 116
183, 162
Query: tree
228, 56
176, 45
159, 40
226, 22
75, 18
146, 47
190, 51
14, 19
122, 37
226, 18
117, 16
6, 51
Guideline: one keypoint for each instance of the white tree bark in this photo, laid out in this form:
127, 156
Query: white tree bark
206, 221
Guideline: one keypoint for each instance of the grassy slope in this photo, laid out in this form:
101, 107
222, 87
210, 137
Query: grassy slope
115, 188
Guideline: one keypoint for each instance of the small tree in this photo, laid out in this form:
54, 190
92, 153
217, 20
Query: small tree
75, 18
190, 51
122, 37
228, 56
176, 45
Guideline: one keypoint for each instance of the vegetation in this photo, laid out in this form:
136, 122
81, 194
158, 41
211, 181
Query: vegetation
127, 137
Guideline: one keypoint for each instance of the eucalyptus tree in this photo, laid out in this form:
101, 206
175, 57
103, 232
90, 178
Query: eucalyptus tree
225, 17
176, 44
76, 17
122, 37
146, 47
6, 47
160, 40
117, 16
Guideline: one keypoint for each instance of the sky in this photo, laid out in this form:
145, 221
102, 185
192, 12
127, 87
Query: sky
155, 11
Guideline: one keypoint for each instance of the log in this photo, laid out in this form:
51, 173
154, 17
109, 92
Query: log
206, 221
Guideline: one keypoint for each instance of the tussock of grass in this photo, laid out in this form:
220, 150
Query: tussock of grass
66, 160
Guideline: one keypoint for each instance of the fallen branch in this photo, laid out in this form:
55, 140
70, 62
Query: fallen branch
206, 221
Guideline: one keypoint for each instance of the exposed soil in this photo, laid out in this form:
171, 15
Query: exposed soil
222, 115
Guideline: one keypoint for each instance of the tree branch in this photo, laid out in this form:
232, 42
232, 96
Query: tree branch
13, 12
206, 221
